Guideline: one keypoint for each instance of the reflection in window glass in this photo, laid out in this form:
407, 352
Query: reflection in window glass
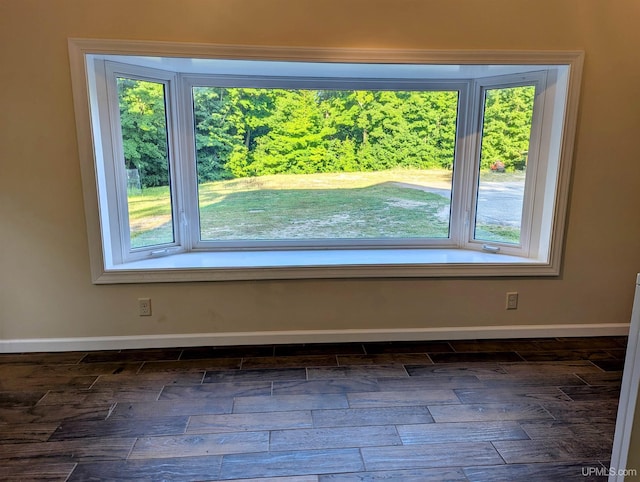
278, 164
506, 130
143, 121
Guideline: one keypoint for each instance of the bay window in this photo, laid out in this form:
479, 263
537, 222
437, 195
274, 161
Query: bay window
263, 163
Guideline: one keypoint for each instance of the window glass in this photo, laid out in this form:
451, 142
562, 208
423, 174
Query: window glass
143, 121
506, 130
280, 164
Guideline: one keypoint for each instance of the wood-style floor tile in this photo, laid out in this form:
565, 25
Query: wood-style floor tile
604, 392
475, 357
69, 357
604, 378
293, 463
26, 432
551, 368
398, 399
357, 371
385, 359
169, 469
542, 472
341, 385
354, 417
610, 365
280, 403
486, 412
44, 383
320, 349
196, 365
549, 450
558, 430
522, 393
172, 408
158, 379
56, 413
85, 369
565, 355
199, 445
42, 471
121, 428
490, 410
335, 437
578, 343
133, 355
407, 347
204, 352
576, 412
295, 478
89, 449
290, 361
429, 383
410, 475
14, 399
244, 422
101, 396
618, 354
257, 375
431, 455
455, 369
216, 390
494, 345
511, 380
436, 433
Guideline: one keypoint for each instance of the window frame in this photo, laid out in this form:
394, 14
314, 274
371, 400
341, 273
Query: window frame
117, 196
188, 82
527, 226
192, 261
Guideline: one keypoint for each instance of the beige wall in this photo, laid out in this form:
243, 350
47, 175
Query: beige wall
45, 283
45, 287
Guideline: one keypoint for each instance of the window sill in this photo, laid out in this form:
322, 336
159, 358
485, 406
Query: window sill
310, 264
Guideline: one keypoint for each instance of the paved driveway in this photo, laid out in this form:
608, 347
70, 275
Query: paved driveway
499, 202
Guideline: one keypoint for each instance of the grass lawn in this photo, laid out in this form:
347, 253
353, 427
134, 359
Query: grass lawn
387, 204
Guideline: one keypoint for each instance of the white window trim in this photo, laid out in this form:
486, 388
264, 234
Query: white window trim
325, 263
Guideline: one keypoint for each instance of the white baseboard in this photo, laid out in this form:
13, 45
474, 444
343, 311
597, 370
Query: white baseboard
309, 336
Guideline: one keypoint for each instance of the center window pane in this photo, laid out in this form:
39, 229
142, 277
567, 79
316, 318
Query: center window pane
293, 164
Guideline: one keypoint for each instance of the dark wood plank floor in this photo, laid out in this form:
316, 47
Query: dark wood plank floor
491, 410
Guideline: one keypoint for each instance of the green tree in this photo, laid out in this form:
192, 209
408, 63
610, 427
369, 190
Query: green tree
144, 130
508, 114
296, 141
219, 131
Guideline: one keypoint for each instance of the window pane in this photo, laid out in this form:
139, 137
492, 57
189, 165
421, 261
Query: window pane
279, 164
503, 163
144, 138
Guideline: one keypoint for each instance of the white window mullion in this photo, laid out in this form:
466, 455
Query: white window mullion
116, 169
189, 217
459, 185
465, 180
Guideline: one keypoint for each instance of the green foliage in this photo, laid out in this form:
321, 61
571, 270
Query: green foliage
144, 130
507, 126
241, 132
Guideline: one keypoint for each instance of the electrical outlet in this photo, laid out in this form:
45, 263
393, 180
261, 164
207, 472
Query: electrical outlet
144, 306
512, 300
